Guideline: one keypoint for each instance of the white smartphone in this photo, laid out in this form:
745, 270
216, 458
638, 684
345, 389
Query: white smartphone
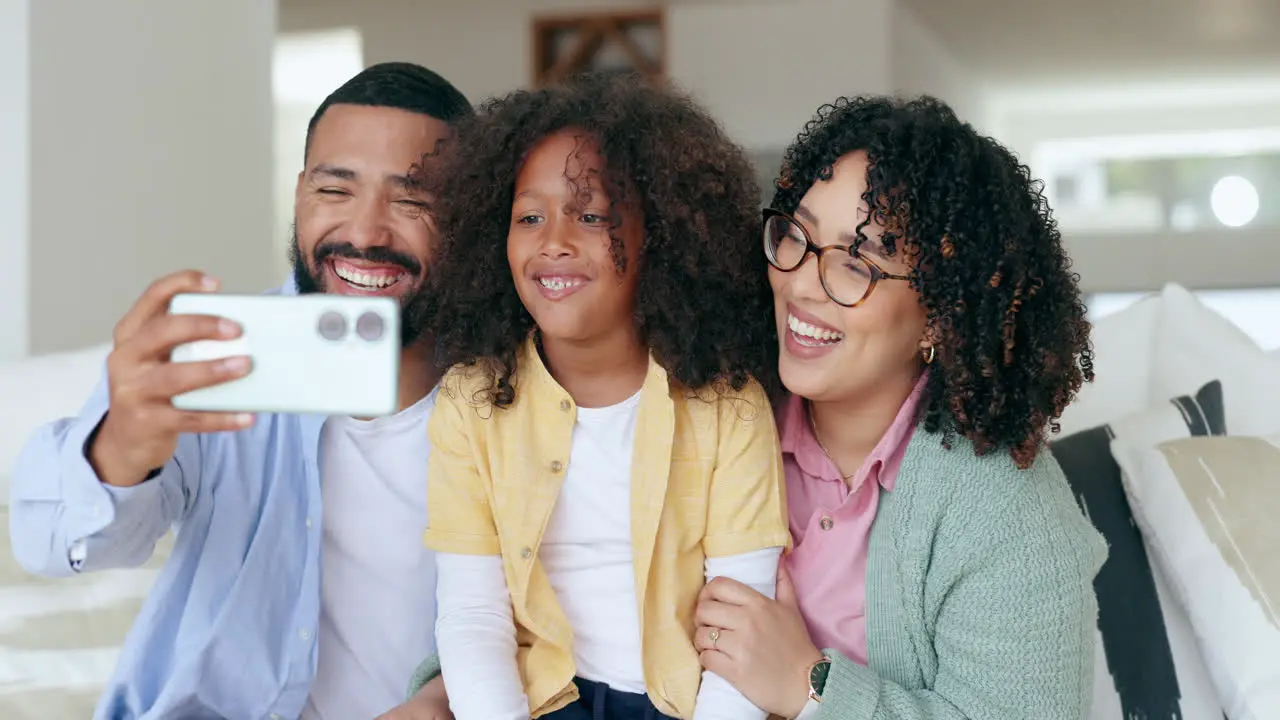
321, 354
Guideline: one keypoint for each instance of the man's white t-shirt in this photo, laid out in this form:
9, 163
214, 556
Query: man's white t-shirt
377, 579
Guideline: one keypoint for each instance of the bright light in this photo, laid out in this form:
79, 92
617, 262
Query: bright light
1234, 201
306, 67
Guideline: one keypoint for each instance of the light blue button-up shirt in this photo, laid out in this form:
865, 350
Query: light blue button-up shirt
229, 630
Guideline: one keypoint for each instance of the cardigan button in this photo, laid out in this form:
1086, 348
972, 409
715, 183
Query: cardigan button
556, 466
526, 552
826, 523
564, 405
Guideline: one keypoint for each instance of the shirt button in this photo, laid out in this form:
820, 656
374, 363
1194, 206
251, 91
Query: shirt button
556, 466
305, 634
564, 405
526, 552
274, 716
308, 522
827, 523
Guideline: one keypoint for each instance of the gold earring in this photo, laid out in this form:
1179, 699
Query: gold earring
928, 360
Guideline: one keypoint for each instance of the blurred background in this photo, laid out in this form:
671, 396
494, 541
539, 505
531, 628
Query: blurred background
138, 137
142, 136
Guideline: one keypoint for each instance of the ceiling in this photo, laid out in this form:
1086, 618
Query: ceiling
1022, 41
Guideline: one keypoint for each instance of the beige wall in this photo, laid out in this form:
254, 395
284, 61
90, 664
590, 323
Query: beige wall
149, 150
762, 67
14, 177
482, 46
921, 64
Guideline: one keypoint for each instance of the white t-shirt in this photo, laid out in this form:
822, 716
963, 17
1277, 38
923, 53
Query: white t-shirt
586, 549
377, 579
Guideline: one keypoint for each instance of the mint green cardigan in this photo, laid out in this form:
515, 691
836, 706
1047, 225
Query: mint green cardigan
980, 602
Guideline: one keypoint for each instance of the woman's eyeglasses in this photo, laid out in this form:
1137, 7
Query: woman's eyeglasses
846, 275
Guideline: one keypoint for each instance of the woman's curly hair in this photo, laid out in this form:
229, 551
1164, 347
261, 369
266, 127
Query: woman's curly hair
703, 303
1007, 321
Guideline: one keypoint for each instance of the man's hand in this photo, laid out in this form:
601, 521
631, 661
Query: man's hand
140, 431
430, 703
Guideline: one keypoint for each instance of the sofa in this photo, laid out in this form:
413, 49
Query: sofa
58, 638
1173, 452
1174, 455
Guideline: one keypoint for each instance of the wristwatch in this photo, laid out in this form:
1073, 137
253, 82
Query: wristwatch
818, 678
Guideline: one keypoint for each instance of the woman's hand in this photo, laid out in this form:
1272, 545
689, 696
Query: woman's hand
759, 645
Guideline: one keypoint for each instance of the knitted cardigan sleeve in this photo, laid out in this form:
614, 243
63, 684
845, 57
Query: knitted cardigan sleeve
990, 587
427, 671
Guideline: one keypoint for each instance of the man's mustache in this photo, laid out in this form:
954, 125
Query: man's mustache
379, 255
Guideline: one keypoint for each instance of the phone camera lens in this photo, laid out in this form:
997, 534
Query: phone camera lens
332, 325
370, 326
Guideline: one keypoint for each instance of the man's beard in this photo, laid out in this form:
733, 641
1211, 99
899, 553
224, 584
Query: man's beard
413, 306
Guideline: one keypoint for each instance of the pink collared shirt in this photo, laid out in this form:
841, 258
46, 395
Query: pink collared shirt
831, 524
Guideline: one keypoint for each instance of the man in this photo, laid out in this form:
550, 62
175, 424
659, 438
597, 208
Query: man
273, 604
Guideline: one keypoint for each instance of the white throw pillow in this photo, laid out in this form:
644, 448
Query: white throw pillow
1207, 507
39, 389
1147, 663
1194, 344
1122, 348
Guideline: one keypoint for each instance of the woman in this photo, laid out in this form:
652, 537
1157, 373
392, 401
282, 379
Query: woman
930, 332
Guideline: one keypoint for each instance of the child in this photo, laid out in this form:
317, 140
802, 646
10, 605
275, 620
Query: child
600, 447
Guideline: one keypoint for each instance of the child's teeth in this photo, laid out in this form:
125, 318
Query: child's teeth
557, 284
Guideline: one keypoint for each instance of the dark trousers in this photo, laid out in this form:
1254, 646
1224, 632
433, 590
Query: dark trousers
597, 701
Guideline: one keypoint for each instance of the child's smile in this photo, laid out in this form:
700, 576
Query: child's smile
558, 285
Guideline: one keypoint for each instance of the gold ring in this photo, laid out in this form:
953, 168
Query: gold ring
715, 637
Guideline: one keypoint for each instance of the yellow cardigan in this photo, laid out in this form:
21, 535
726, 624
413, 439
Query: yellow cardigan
707, 481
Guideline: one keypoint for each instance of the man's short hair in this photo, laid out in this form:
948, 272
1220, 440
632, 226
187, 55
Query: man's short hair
399, 85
